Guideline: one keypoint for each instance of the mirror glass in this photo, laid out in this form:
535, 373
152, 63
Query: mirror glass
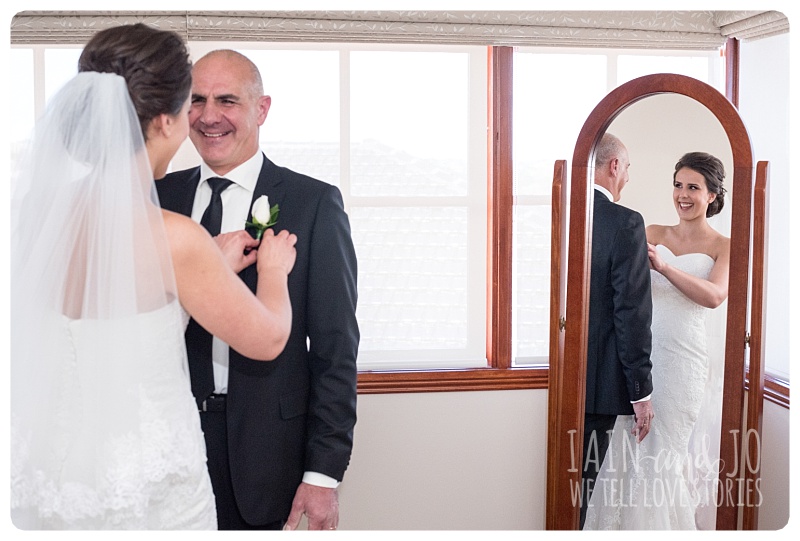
657, 131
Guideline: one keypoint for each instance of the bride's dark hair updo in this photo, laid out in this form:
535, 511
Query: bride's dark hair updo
154, 63
712, 170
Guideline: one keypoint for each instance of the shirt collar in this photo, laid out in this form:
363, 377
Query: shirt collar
604, 192
245, 175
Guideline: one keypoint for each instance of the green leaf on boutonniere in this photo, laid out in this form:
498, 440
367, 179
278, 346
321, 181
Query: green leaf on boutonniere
262, 216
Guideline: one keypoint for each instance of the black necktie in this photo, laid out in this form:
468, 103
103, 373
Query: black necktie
212, 217
198, 340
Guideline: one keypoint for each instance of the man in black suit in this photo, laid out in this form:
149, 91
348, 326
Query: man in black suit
278, 434
618, 365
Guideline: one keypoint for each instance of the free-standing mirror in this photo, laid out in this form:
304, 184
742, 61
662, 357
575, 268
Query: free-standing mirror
569, 316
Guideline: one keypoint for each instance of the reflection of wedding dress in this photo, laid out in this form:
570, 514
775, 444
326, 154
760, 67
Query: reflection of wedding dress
153, 477
659, 484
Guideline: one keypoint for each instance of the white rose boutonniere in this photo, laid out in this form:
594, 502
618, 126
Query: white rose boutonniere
262, 215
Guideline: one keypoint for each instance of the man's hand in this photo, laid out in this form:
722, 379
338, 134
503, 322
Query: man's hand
319, 504
234, 245
643, 413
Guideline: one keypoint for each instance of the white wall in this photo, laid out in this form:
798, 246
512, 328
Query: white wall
447, 461
775, 471
477, 461
764, 105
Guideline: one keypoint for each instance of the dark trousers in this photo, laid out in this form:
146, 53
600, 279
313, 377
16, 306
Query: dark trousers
215, 429
596, 437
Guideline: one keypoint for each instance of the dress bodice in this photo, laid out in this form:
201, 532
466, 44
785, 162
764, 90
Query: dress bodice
667, 295
678, 322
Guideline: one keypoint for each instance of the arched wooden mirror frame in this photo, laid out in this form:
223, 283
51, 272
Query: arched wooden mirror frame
570, 310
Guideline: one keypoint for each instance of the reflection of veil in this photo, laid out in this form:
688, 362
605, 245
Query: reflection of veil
89, 255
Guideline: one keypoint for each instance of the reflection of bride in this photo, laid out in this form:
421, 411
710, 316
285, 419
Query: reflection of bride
105, 433
668, 481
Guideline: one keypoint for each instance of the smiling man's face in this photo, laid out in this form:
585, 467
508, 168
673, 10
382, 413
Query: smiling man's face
226, 112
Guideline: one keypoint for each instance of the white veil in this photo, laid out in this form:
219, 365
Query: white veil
89, 254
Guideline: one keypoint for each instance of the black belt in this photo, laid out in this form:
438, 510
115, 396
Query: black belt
215, 402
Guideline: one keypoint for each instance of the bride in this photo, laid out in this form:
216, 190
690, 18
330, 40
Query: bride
105, 432
661, 484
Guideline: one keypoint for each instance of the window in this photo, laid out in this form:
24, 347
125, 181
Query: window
23, 113
543, 134
60, 66
417, 200
703, 67
402, 131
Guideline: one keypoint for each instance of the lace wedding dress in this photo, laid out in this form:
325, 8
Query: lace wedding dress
105, 433
659, 484
153, 477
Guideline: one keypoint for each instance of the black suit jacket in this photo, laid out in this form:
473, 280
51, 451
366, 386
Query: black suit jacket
295, 413
620, 311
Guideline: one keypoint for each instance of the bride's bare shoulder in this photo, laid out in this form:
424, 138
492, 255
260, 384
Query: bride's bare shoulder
655, 233
184, 235
722, 245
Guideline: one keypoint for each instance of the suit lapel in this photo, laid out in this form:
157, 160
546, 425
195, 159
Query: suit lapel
188, 192
270, 183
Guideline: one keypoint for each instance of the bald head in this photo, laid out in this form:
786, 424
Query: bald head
607, 149
611, 164
244, 67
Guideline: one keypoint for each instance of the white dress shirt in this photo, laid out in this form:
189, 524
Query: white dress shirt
596, 187
236, 211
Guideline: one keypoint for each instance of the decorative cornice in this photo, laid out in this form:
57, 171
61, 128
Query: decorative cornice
633, 29
79, 27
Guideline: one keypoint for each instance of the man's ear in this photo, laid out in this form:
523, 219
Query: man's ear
263, 105
613, 166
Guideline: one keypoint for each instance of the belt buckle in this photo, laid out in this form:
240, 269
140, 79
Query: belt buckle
214, 402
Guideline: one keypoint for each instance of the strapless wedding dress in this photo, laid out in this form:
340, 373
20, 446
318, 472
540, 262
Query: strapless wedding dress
654, 485
152, 476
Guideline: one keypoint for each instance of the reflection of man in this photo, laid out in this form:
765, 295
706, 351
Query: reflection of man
620, 309
278, 434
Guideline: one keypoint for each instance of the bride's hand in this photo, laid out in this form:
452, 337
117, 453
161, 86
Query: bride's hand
656, 263
277, 251
238, 248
